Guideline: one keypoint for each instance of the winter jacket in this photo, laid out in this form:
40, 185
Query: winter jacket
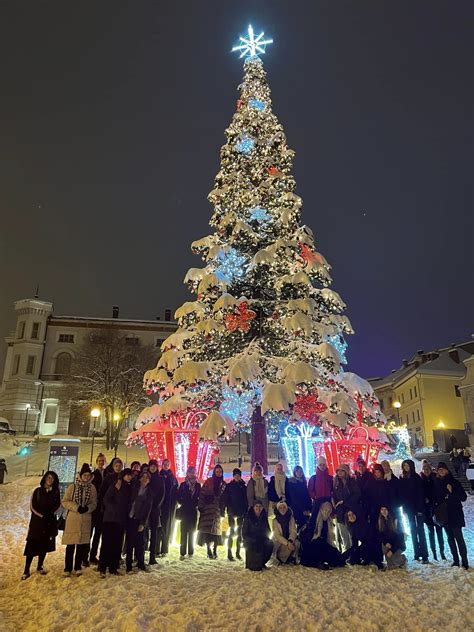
377, 495
251, 498
43, 528
97, 479
235, 499
157, 487
188, 502
411, 491
393, 491
349, 493
109, 479
117, 503
211, 508
363, 480
428, 496
140, 506
272, 494
395, 538
256, 537
454, 499
320, 484
298, 499
278, 535
78, 525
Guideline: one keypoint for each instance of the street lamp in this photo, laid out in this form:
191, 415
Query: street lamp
116, 419
397, 406
95, 414
27, 408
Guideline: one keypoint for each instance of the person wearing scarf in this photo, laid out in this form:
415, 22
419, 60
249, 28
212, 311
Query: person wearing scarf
80, 500
168, 509
257, 487
284, 534
277, 487
188, 498
298, 497
256, 536
317, 539
211, 506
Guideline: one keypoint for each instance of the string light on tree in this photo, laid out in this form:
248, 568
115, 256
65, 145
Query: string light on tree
259, 215
256, 104
238, 406
245, 145
231, 265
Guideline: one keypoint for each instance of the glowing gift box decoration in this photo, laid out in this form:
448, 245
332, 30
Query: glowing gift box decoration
175, 437
357, 442
302, 444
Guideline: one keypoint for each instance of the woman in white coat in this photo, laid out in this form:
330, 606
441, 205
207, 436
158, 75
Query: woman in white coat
285, 543
80, 500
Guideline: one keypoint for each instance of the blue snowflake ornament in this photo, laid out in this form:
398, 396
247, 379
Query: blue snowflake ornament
256, 104
238, 407
259, 214
231, 265
245, 145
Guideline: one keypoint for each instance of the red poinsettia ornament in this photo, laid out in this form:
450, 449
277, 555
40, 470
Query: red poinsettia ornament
307, 407
309, 256
240, 320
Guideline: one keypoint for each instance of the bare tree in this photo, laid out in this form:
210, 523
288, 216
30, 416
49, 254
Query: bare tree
108, 372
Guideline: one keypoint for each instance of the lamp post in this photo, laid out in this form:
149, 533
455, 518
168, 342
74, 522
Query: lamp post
397, 406
116, 419
95, 414
27, 408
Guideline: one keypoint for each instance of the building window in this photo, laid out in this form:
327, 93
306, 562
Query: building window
413, 416
50, 414
35, 331
402, 397
66, 338
390, 402
30, 365
457, 391
417, 415
63, 364
132, 341
408, 419
21, 329
416, 392
411, 394
16, 365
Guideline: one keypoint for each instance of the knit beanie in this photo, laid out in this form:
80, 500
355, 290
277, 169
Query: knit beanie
85, 468
344, 467
236, 471
126, 471
442, 464
152, 462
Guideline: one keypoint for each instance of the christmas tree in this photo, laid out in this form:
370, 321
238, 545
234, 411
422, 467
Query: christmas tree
262, 346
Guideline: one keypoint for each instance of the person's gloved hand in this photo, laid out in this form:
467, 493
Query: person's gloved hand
82, 510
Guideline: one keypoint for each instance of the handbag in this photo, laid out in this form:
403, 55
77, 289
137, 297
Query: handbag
440, 514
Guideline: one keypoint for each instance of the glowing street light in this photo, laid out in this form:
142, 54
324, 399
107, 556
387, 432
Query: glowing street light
397, 405
95, 414
27, 410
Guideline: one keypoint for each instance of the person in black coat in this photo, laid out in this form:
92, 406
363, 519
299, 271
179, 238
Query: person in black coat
3, 470
317, 539
157, 487
448, 490
413, 503
428, 478
42, 531
137, 520
345, 496
97, 480
298, 496
277, 487
363, 477
168, 509
365, 548
391, 538
235, 502
256, 537
110, 476
377, 493
188, 498
116, 504
393, 491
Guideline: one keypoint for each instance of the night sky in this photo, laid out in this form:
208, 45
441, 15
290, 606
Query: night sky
112, 115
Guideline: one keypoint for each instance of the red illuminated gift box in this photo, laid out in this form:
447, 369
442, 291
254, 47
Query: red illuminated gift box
357, 443
176, 438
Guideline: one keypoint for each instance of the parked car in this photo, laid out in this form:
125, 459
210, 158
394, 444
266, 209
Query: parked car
5, 427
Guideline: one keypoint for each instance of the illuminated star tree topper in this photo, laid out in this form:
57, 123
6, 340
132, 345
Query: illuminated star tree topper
252, 46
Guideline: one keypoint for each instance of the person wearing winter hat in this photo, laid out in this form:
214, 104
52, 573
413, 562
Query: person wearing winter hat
80, 500
236, 505
320, 484
345, 496
449, 491
257, 487
256, 537
285, 542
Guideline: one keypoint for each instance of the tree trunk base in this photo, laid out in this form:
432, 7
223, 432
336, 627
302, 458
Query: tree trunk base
259, 451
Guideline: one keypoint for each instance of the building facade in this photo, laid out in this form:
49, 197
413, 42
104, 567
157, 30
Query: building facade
39, 355
427, 394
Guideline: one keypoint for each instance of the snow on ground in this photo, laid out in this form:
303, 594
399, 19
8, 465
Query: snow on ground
200, 594
10, 445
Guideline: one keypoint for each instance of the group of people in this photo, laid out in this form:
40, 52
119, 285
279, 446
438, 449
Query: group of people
326, 522
460, 458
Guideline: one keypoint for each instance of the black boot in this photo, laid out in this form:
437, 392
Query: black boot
230, 557
209, 552
214, 552
237, 553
